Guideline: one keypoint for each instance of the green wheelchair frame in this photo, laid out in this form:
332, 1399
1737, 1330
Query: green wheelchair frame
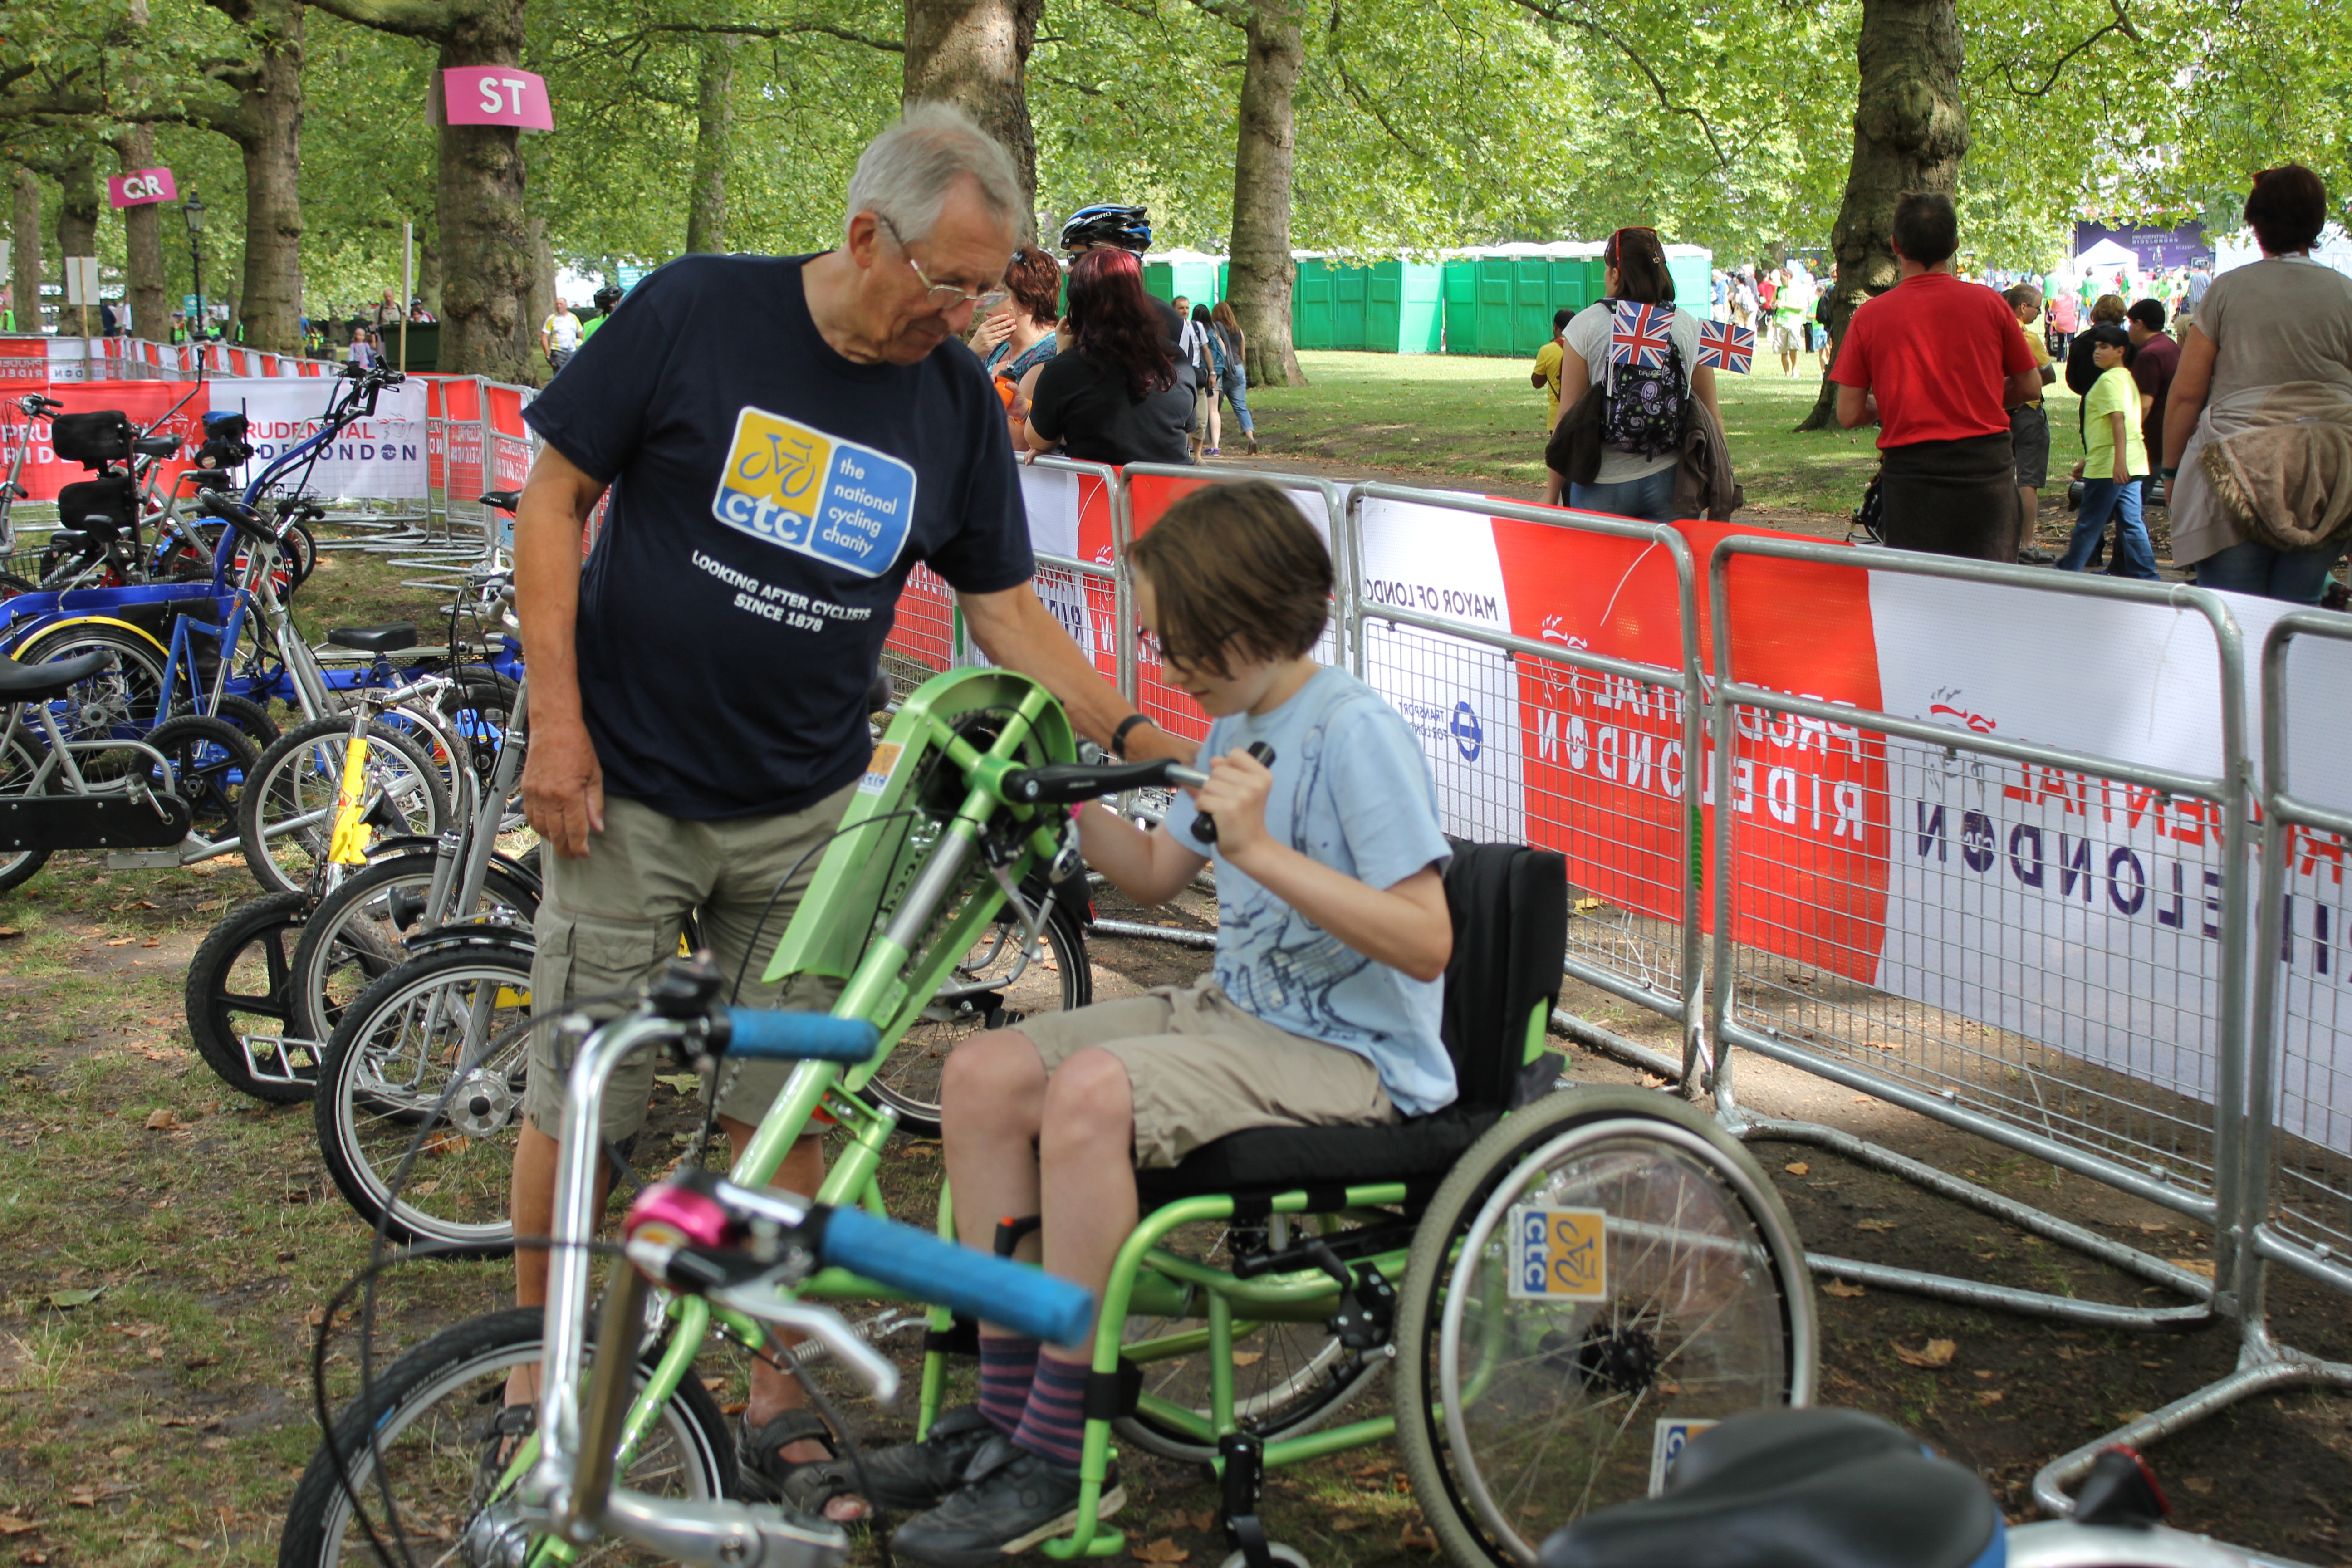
896, 899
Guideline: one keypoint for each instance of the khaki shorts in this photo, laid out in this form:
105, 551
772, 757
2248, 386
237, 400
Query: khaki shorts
1200, 1068
608, 922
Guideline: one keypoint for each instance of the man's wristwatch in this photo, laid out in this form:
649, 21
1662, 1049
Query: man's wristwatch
1119, 736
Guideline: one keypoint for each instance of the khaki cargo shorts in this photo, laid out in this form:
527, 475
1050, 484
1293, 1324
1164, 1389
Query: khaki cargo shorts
1200, 1068
610, 921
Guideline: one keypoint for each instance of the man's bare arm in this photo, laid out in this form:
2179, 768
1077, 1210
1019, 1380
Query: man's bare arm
562, 784
1018, 632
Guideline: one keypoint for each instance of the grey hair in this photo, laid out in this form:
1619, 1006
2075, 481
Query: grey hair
905, 174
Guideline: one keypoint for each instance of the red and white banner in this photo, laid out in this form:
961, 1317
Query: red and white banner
142, 402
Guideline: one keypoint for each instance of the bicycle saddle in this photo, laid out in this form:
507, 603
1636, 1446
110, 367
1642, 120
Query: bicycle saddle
32, 682
1796, 1489
157, 445
389, 637
505, 501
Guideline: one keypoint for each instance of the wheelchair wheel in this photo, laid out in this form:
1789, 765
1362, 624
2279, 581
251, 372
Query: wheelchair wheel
18, 769
1601, 1267
1288, 1377
995, 985
360, 932
237, 987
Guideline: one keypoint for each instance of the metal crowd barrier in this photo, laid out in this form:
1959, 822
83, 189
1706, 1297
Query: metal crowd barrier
1789, 984
2294, 1202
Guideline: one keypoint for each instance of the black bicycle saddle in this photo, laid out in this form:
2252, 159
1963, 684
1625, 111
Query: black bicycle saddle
1794, 1489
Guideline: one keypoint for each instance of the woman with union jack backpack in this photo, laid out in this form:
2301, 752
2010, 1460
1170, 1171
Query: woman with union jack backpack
1630, 373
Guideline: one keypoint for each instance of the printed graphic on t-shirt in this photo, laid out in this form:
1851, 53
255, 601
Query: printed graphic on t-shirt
793, 486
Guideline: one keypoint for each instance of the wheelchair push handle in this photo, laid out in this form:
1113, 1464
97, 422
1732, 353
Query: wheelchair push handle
973, 1284
762, 1035
1205, 826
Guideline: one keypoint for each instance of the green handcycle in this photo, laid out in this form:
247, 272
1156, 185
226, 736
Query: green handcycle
1565, 1283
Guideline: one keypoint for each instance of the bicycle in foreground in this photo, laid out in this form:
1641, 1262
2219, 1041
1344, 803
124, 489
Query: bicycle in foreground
1556, 1279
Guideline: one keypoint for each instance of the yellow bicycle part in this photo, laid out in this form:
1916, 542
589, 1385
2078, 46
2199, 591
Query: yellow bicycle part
352, 835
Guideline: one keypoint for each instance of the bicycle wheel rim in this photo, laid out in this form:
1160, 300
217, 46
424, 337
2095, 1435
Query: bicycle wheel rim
1000, 985
1691, 1321
677, 1451
393, 1061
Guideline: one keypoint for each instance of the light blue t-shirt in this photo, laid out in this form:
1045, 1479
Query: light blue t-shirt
1353, 791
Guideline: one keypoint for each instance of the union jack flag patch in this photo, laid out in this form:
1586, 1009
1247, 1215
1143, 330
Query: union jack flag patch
1641, 334
1725, 346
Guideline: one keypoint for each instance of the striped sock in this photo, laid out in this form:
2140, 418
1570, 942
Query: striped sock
1008, 1365
1054, 1424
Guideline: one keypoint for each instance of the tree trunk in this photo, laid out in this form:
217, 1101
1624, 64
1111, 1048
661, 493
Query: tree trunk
143, 237
714, 130
1910, 131
1262, 266
25, 259
271, 107
484, 234
77, 229
974, 54
428, 273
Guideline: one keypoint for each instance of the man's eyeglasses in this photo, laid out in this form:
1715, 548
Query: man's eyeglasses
944, 296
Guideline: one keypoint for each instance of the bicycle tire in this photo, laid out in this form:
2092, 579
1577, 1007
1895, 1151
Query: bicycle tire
480, 709
11, 585
1700, 1306
423, 1414
238, 976
367, 1122
120, 704
908, 1078
355, 935
18, 768
300, 773
210, 760
247, 715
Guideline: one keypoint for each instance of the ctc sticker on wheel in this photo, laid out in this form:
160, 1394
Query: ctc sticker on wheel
793, 486
1559, 1254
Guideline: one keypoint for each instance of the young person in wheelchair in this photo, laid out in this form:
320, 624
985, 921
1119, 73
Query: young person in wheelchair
1323, 1008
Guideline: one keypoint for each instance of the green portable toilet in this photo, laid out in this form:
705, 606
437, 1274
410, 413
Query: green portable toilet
1494, 305
1532, 305
1693, 271
1350, 291
1460, 285
1312, 291
1403, 314
1195, 278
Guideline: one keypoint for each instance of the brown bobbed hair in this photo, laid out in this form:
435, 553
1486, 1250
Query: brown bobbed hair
2108, 308
2286, 209
1641, 263
1035, 280
1236, 570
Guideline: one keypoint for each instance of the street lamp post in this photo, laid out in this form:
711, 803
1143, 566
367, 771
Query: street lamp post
192, 209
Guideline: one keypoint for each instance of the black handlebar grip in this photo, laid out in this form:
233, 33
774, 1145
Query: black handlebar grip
1205, 826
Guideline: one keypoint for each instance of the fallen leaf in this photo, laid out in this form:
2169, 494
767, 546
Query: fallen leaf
317, 1315
32, 1555
178, 1421
1419, 1535
1935, 1352
1879, 1225
737, 1409
682, 1082
1586, 906
163, 1122
1344, 1524
153, 941
2153, 1227
2200, 1485
1248, 1358
1163, 1549
1986, 1373
120, 941
1865, 1100
715, 1384
1990, 1396
1201, 1518
2203, 1266
1651, 1081
149, 904
190, 1542
8, 931
1840, 1288
65, 1301
83, 1497
11, 1525
1799, 1169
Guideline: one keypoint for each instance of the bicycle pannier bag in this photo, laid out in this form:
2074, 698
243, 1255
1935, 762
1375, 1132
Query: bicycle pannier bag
102, 436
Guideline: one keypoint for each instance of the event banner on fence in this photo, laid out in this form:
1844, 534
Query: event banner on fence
142, 402
378, 459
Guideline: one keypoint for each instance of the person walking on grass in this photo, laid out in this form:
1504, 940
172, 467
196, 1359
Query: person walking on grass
2116, 463
2029, 422
1236, 384
1546, 374
1938, 364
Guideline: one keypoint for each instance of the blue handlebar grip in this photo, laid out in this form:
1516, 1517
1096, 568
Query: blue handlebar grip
765, 1035
970, 1283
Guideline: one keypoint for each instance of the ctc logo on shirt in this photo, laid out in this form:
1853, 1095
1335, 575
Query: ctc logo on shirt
800, 489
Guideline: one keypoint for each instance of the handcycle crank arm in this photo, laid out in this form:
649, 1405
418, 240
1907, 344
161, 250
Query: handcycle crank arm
760, 1298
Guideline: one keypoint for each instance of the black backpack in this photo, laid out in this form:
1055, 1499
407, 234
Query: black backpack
1645, 410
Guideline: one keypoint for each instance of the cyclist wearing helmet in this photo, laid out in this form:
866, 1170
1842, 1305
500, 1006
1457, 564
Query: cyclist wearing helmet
606, 299
1108, 226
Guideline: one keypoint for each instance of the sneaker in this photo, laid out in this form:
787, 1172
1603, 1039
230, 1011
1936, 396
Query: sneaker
918, 1474
1011, 1501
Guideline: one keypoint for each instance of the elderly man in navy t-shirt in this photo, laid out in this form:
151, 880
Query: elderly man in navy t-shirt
782, 447
1937, 363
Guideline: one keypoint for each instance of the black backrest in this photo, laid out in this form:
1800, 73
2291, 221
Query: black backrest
114, 496
92, 439
1509, 904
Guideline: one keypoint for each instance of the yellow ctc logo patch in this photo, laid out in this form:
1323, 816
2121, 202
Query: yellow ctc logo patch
799, 489
1558, 1254
775, 474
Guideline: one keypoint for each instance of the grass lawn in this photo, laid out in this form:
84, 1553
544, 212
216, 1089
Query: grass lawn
1460, 419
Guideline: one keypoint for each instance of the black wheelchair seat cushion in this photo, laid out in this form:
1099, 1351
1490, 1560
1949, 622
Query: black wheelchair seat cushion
1283, 1159
1797, 1489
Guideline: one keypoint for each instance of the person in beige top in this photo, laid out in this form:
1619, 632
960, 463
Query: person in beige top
2285, 318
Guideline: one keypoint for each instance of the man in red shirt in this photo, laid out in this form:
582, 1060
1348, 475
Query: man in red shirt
2153, 364
1939, 364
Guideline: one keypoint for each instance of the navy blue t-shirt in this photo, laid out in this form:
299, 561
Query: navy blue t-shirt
768, 499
